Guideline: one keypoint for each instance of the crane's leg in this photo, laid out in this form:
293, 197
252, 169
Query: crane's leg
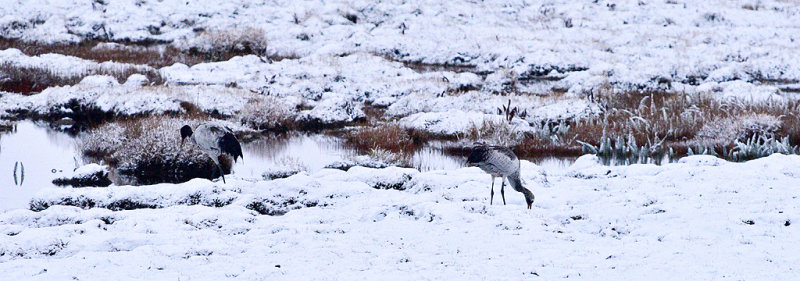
221, 173
502, 189
491, 194
216, 161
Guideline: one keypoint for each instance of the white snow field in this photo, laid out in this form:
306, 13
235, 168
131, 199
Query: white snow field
436, 66
348, 50
701, 218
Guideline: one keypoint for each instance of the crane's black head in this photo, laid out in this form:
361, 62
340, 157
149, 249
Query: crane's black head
186, 132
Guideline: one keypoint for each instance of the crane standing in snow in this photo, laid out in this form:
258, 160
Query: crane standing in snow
213, 140
499, 161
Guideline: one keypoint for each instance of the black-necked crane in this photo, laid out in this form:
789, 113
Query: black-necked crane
499, 161
213, 140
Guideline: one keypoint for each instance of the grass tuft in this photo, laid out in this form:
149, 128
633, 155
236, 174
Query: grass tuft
389, 137
221, 45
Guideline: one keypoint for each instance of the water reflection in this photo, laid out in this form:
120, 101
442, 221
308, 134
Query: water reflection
45, 153
433, 157
312, 152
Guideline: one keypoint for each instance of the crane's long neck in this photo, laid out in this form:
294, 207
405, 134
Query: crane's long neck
516, 183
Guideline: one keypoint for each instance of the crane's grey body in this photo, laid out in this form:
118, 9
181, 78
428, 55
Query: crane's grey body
214, 140
205, 136
500, 161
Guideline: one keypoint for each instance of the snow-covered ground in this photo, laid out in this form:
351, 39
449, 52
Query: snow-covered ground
444, 67
628, 41
701, 218
348, 50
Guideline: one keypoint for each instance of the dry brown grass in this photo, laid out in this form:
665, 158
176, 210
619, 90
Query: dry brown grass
29, 80
537, 147
155, 56
387, 136
212, 46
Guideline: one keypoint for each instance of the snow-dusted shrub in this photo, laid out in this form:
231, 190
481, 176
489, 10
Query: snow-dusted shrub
267, 113
739, 128
6, 125
497, 132
148, 150
219, 45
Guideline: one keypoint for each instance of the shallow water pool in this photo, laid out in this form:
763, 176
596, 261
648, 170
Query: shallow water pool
46, 154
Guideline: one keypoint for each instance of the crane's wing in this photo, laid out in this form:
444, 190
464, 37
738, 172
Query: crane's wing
506, 152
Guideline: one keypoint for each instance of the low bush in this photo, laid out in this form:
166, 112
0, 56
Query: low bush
148, 150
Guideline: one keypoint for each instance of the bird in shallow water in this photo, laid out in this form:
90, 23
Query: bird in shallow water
213, 140
499, 161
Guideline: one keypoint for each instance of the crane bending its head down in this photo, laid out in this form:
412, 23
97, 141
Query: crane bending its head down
499, 161
213, 140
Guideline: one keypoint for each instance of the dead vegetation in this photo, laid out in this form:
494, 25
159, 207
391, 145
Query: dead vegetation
673, 123
155, 56
30, 80
6, 125
268, 114
387, 136
649, 127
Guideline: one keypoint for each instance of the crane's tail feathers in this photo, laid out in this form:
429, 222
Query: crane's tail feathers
228, 144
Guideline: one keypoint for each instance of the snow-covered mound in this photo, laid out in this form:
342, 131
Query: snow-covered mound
86, 175
333, 110
702, 218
